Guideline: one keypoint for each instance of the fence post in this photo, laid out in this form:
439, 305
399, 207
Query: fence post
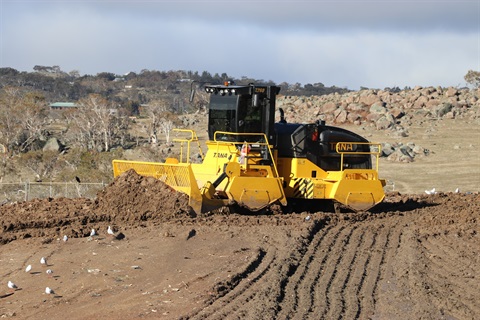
26, 191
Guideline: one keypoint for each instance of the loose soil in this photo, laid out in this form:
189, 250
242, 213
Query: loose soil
411, 257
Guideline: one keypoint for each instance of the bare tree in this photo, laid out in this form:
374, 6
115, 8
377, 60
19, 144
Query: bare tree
154, 111
98, 123
22, 118
166, 127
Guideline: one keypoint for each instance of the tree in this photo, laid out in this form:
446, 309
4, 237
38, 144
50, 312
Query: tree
22, 118
473, 78
166, 127
99, 125
154, 111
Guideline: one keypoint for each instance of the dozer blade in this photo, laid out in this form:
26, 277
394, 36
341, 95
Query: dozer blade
179, 176
359, 189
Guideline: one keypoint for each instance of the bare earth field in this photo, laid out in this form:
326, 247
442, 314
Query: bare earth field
415, 256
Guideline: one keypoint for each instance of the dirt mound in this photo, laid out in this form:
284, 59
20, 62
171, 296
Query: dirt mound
131, 197
130, 200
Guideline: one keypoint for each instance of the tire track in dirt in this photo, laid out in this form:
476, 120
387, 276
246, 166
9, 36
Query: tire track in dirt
404, 282
316, 273
267, 298
339, 293
359, 267
306, 266
323, 289
231, 295
450, 273
361, 272
447, 251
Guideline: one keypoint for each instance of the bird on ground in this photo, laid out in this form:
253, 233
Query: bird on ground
43, 261
192, 234
48, 290
110, 231
65, 238
12, 286
430, 191
457, 190
93, 233
49, 272
28, 268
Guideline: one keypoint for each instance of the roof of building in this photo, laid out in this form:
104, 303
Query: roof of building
63, 105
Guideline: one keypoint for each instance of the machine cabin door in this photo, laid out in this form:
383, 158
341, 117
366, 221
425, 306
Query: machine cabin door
222, 114
237, 114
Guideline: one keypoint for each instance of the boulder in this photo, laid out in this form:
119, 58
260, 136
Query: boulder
378, 107
329, 107
451, 92
385, 122
52, 144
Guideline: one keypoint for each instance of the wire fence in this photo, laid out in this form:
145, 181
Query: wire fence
24, 191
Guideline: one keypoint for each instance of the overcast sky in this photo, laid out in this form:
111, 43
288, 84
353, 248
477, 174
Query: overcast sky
376, 43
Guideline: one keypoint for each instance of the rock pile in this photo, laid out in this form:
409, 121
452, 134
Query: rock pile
384, 109
400, 152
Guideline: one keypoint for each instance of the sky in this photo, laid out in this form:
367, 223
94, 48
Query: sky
348, 44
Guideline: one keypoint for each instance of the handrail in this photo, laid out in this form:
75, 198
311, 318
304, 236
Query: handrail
340, 145
262, 136
193, 137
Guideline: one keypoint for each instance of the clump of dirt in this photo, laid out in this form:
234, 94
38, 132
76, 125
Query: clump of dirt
131, 197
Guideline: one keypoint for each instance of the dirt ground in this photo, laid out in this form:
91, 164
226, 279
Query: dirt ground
411, 257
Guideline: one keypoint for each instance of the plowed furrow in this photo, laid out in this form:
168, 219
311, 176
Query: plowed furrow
417, 283
300, 280
323, 287
249, 299
239, 284
388, 289
270, 292
342, 293
372, 272
360, 272
309, 297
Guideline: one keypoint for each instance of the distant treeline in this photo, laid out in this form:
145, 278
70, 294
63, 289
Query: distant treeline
134, 89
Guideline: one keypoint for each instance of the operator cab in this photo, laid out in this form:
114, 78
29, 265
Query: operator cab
240, 109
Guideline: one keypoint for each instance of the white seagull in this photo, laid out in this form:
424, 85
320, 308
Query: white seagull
110, 231
12, 285
43, 261
48, 290
457, 190
49, 272
28, 268
430, 191
65, 238
93, 233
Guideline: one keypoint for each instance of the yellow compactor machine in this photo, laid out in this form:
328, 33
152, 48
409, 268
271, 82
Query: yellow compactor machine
254, 162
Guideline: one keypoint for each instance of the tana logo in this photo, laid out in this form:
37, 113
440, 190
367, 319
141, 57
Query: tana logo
342, 146
220, 155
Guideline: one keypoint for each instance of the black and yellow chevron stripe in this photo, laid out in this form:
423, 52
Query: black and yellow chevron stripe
303, 188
